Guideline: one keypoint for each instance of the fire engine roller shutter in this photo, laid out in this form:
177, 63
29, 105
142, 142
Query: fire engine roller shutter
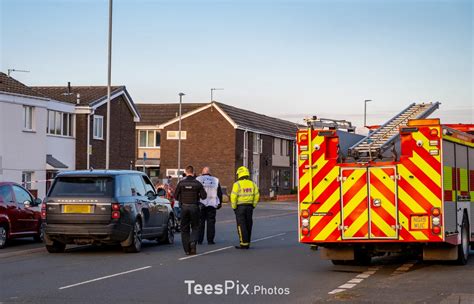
419, 186
383, 203
354, 193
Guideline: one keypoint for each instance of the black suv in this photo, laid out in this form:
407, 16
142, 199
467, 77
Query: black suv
108, 207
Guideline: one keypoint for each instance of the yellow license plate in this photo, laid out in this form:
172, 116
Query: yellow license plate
77, 209
419, 222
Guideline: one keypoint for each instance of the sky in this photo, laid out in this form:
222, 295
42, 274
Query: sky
289, 59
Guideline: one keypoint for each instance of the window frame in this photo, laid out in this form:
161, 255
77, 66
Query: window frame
66, 125
28, 124
95, 127
184, 135
147, 137
26, 183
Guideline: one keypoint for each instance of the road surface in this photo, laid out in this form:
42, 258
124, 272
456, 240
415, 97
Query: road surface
277, 269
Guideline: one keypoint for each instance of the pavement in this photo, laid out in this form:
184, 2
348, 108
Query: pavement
277, 269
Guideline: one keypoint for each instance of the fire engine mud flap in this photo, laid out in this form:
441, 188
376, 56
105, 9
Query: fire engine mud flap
345, 254
432, 253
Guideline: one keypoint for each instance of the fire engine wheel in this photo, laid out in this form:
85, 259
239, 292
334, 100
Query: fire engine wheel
463, 248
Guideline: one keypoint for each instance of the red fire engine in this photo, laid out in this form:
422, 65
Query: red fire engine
408, 186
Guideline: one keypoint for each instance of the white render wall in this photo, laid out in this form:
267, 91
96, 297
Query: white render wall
22, 150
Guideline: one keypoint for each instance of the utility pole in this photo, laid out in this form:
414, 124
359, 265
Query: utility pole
179, 134
365, 111
109, 80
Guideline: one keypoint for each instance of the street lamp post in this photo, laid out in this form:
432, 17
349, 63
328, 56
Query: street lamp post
365, 111
212, 92
109, 77
179, 134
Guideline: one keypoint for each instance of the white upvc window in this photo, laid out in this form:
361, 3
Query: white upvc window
98, 127
60, 123
26, 178
257, 144
149, 139
28, 118
174, 135
174, 173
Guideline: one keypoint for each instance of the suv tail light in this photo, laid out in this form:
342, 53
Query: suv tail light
43, 211
115, 210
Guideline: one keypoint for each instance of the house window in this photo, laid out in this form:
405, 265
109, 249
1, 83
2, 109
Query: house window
60, 123
28, 113
26, 178
98, 127
284, 147
149, 139
174, 135
257, 144
174, 172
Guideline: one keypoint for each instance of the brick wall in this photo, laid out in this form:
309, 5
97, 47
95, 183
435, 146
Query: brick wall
122, 143
210, 142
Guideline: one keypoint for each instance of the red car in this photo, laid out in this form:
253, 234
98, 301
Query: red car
20, 214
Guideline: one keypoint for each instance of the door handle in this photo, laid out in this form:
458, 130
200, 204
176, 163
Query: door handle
377, 202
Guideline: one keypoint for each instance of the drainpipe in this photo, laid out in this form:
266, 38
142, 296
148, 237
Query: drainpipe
246, 152
88, 140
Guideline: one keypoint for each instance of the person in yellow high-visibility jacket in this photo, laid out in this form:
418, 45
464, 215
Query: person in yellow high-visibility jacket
244, 198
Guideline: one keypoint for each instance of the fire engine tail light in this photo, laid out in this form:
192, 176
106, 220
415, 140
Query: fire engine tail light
115, 211
434, 132
436, 221
305, 231
305, 213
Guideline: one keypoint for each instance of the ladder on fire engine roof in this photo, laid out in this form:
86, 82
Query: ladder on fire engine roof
380, 140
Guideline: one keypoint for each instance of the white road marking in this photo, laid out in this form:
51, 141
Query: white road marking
402, 269
104, 278
354, 281
228, 247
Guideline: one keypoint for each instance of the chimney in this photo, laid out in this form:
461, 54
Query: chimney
69, 87
78, 98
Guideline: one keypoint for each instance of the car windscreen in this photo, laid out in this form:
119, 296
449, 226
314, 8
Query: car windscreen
98, 186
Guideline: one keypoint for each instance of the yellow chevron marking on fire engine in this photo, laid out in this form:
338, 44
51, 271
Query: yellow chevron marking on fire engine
323, 184
352, 179
426, 143
330, 202
419, 186
358, 223
387, 202
426, 168
329, 228
382, 225
409, 201
350, 206
417, 235
318, 188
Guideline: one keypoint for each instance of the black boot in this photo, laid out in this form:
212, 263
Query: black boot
192, 250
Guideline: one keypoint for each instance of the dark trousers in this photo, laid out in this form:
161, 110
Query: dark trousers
208, 214
243, 215
189, 225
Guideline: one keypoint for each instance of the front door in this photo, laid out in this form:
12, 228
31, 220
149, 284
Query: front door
369, 203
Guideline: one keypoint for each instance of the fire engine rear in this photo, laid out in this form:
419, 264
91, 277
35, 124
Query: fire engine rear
408, 186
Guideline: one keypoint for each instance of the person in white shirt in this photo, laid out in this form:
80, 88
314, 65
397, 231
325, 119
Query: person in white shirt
209, 205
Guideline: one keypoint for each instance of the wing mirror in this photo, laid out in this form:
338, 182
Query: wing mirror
151, 195
37, 202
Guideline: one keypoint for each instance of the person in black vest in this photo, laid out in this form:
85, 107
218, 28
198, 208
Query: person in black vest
189, 192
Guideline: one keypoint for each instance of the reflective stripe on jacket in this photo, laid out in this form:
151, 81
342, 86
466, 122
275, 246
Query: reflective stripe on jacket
244, 192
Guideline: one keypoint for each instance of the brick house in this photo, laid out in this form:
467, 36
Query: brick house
149, 133
225, 137
91, 119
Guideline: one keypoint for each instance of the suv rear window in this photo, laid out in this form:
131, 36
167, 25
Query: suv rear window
83, 186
